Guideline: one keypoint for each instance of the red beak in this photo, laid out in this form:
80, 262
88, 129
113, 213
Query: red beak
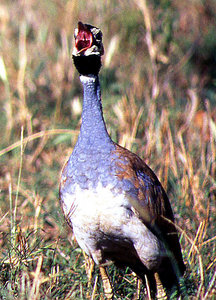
84, 38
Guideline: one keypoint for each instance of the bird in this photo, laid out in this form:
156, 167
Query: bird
116, 206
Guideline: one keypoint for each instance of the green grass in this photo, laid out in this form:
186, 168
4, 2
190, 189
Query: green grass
159, 99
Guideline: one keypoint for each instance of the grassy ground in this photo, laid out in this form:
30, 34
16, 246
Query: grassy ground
159, 97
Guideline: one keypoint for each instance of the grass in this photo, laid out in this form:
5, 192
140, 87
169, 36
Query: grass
159, 98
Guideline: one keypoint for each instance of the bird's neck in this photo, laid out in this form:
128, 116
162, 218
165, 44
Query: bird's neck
93, 132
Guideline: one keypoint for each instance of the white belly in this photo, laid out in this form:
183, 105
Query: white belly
101, 215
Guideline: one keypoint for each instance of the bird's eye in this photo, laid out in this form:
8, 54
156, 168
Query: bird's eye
99, 36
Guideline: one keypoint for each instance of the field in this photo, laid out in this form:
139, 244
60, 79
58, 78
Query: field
159, 98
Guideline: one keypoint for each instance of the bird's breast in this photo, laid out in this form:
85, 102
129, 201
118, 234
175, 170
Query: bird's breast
96, 200
95, 207
104, 221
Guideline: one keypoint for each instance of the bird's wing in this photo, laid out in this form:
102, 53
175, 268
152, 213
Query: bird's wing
146, 193
149, 199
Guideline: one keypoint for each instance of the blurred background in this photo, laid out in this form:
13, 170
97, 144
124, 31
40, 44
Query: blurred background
159, 98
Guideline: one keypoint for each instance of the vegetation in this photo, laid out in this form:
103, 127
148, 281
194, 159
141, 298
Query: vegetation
159, 99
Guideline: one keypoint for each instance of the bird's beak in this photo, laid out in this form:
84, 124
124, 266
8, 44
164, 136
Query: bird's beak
83, 39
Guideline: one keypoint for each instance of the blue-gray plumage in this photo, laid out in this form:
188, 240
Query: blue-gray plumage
113, 201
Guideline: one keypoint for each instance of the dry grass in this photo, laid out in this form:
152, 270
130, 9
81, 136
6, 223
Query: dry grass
159, 98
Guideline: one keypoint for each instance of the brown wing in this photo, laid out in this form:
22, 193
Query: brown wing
150, 201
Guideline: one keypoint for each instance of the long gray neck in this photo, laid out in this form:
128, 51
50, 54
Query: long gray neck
93, 132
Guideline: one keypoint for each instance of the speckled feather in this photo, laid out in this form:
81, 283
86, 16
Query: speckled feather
114, 202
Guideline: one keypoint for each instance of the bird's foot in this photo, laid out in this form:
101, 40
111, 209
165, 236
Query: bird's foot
89, 267
161, 293
108, 292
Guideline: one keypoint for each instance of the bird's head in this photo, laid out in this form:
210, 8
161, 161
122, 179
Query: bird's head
88, 49
88, 40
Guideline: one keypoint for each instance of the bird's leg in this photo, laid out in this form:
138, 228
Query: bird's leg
89, 267
138, 283
161, 293
106, 283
